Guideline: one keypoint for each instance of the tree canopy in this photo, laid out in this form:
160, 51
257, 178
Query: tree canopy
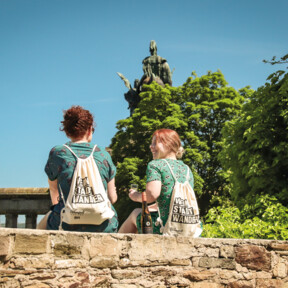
197, 110
256, 144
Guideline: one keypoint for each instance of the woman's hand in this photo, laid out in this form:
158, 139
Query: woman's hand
135, 196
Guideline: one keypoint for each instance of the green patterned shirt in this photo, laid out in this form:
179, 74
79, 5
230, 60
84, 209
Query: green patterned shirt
158, 170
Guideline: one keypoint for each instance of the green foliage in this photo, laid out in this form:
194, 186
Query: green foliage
208, 103
273, 61
267, 218
255, 150
198, 111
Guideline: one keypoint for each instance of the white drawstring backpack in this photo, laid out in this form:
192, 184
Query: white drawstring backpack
87, 202
183, 216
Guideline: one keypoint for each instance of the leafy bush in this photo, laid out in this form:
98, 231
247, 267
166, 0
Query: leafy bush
266, 218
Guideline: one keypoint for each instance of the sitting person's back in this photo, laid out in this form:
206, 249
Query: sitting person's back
78, 126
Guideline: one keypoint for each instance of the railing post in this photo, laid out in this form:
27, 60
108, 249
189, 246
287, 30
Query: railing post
11, 220
30, 221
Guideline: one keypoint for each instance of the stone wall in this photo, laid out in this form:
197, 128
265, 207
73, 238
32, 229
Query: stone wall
42, 259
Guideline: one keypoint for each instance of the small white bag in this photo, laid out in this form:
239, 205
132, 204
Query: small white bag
87, 202
183, 216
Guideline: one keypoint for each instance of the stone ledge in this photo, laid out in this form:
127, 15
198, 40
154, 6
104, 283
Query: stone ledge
23, 191
127, 260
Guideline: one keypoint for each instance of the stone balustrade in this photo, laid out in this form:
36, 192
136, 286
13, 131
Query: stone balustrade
23, 201
50, 259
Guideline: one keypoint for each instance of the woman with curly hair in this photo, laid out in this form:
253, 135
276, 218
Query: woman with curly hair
78, 125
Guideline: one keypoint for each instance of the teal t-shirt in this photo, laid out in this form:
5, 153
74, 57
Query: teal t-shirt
61, 164
158, 170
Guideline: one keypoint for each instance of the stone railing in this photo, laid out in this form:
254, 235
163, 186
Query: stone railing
23, 201
33, 258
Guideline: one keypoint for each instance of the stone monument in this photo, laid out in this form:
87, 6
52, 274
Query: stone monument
155, 68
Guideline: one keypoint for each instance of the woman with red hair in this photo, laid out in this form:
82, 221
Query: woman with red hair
165, 146
78, 125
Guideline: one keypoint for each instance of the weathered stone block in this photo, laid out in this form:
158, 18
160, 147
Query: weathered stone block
124, 286
4, 245
253, 257
83, 277
262, 275
195, 275
12, 273
30, 244
67, 250
206, 285
162, 271
227, 251
43, 262
269, 283
240, 284
42, 276
126, 274
9, 283
104, 245
249, 275
180, 262
104, 262
177, 281
280, 270
100, 282
279, 247
230, 275
38, 285
223, 263
161, 249
207, 251
67, 263
68, 244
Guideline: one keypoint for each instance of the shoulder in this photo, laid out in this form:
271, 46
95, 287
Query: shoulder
58, 150
101, 151
103, 156
156, 165
145, 60
161, 59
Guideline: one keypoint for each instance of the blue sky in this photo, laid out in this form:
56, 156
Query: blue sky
55, 54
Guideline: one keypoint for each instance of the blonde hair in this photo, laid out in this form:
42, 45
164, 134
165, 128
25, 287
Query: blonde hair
171, 140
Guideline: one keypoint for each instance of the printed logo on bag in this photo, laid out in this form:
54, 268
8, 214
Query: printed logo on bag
84, 193
183, 213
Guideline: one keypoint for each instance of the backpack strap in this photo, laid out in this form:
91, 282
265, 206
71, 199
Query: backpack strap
170, 170
159, 220
187, 176
69, 148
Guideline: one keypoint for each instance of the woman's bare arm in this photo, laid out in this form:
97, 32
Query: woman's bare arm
112, 192
54, 194
153, 190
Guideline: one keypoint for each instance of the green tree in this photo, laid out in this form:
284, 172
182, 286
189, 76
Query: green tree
256, 144
208, 103
197, 110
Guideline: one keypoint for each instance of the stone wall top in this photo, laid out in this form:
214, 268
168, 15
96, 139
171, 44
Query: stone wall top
23, 191
129, 260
